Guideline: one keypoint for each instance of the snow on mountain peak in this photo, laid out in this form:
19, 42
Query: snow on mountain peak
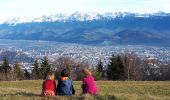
77, 16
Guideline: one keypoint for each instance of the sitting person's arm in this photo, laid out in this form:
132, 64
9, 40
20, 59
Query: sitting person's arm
84, 88
73, 91
72, 87
55, 88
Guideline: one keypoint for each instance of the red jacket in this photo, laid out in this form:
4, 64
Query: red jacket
49, 85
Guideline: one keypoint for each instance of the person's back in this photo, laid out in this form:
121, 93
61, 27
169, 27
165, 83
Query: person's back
89, 85
49, 86
65, 84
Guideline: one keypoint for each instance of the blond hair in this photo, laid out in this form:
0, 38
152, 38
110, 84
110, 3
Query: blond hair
50, 76
86, 72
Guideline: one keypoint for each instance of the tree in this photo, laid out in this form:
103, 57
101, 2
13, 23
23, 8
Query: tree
57, 74
5, 65
133, 68
18, 72
99, 75
168, 72
6, 69
1, 69
115, 69
111, 75
26, 74
100, 66
120, 67
45, 68
36, 74
64, 62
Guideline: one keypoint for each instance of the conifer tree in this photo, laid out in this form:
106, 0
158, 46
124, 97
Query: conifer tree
1, 69
100, 66
5, 66
45, 67
115, 69
18, 72
100, 70
6, 69
26, 74
57, 74
111, 75
36, 70
121, 68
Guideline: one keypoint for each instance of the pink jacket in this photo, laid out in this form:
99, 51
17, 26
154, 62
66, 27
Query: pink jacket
89, 85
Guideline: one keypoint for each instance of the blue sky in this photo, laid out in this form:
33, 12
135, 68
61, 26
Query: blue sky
31, 8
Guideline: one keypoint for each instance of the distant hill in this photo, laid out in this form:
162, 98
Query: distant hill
14, 56
139, 37
92, 28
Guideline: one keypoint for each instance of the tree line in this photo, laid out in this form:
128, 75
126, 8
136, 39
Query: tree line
120, 67
130, 67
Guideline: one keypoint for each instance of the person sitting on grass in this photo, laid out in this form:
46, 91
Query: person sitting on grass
49, 86
65, 84
88, 85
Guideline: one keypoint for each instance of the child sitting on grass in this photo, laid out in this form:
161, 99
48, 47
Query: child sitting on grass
65, 83
49, 86
88, 85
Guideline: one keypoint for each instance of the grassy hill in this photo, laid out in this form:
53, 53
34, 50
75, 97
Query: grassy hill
109, 90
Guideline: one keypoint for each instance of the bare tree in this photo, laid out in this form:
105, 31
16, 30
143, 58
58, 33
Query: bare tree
61, 63
132, 67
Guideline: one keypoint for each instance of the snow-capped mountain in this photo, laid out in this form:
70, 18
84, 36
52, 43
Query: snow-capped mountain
78, 16
92, 28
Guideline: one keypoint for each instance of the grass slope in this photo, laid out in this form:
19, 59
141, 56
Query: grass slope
109, 90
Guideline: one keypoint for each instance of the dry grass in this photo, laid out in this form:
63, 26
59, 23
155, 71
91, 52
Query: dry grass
109, 90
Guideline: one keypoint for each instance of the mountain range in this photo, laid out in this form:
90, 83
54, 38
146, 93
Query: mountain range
122, 28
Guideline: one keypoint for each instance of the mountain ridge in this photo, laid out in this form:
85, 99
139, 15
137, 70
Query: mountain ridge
78, 16
123, 29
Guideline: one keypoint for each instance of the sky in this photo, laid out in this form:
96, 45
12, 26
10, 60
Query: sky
34, 8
